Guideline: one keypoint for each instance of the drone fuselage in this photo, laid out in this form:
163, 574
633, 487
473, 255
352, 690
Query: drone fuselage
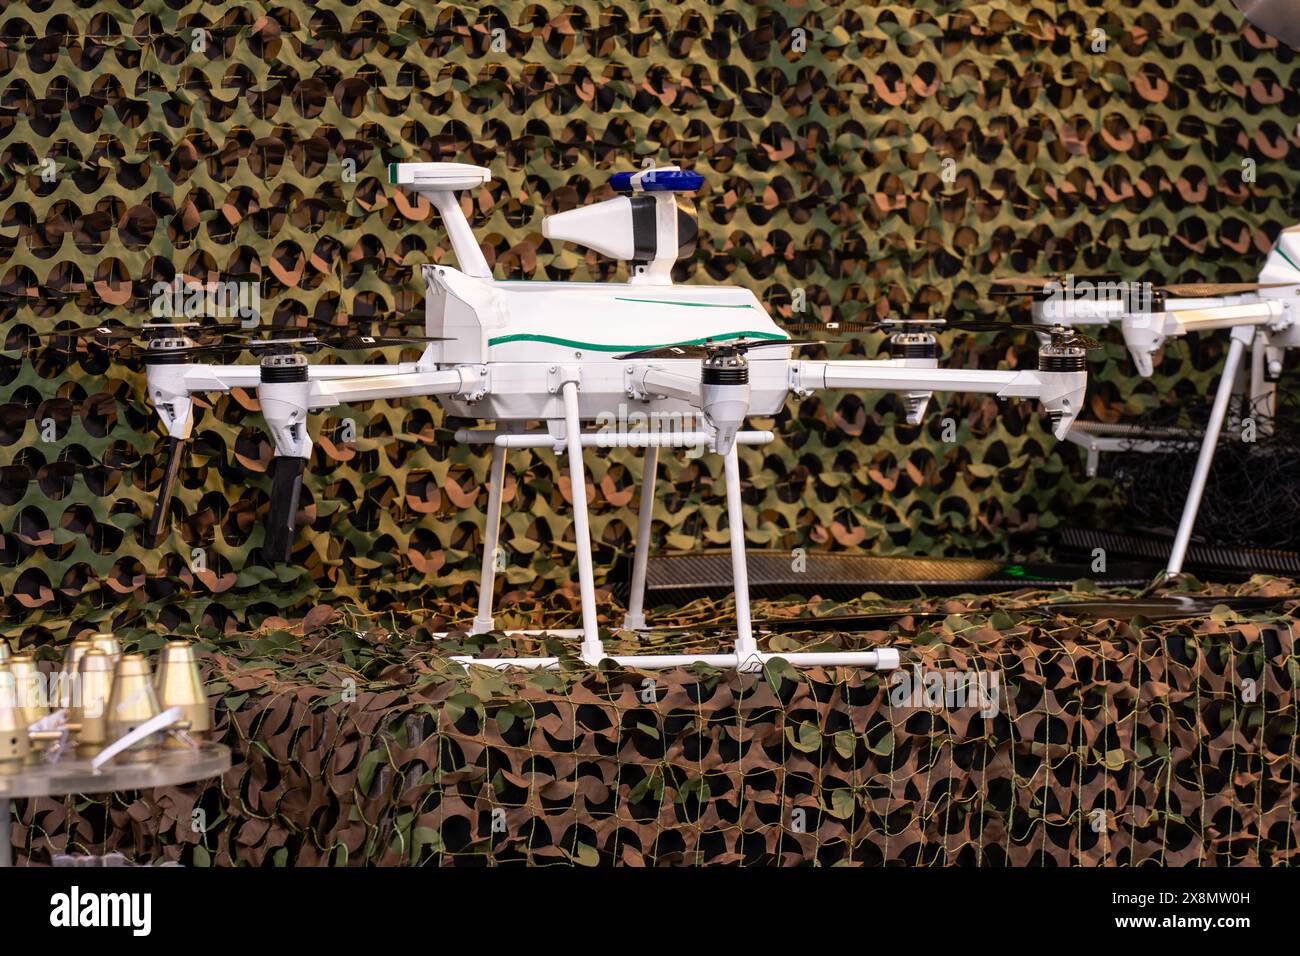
523, 332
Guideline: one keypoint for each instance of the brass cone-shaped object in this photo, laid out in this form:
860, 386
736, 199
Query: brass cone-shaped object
30, 687
14, 746
70, 675
180, 685
131, 702
90, 711
108, 644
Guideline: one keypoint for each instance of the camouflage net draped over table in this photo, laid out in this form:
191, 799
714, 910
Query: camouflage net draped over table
1106, 744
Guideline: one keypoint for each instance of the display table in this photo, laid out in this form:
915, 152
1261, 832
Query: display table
74, 775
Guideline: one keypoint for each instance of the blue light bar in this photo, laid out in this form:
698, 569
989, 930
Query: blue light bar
657, 180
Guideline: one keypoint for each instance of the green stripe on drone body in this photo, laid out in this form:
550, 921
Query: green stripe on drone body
1283, 254
689, 305
603, 347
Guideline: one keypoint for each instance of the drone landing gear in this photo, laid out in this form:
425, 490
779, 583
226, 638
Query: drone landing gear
491, 542
1241, 337
634, 619
745, 657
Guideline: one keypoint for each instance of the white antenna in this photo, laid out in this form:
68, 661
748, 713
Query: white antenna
439, 182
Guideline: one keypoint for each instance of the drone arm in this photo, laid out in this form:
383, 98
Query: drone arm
649, 380
1060, 392
1185, 320
288, 392
1145, 332
170, 388
888, 377
468, 381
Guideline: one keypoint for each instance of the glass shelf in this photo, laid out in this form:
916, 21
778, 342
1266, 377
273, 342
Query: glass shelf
73, 774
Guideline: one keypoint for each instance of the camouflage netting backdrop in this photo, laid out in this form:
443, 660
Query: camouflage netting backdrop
858, 159
1154, 140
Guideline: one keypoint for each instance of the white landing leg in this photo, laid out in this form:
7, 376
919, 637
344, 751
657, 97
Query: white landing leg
592, 649
1241, 337
491, 541
635, 618
746, 647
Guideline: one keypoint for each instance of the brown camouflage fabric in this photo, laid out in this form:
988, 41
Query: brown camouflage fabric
1109, 744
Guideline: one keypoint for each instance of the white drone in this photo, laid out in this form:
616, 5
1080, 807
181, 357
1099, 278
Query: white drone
1263, 316
568, 353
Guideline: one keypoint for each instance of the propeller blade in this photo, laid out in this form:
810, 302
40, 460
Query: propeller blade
286, 490
668, 352
305, 343
100, 331
153, 535
792, 343
979, 326
354, 323
1061, 334
1038, 283
1209, 290
200, 353
833, 327
1025, 282
142, 333
701, 350
366, 342
121, 338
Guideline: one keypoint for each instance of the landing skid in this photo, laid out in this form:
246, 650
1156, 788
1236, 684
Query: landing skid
745, 657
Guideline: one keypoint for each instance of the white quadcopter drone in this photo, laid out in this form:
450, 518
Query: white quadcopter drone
567, 353
1263, 316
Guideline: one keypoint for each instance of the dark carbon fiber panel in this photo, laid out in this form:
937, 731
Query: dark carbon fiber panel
838, 575
1199, 557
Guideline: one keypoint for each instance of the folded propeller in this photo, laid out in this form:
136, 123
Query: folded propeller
1026, 285
711, 349
175, 342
